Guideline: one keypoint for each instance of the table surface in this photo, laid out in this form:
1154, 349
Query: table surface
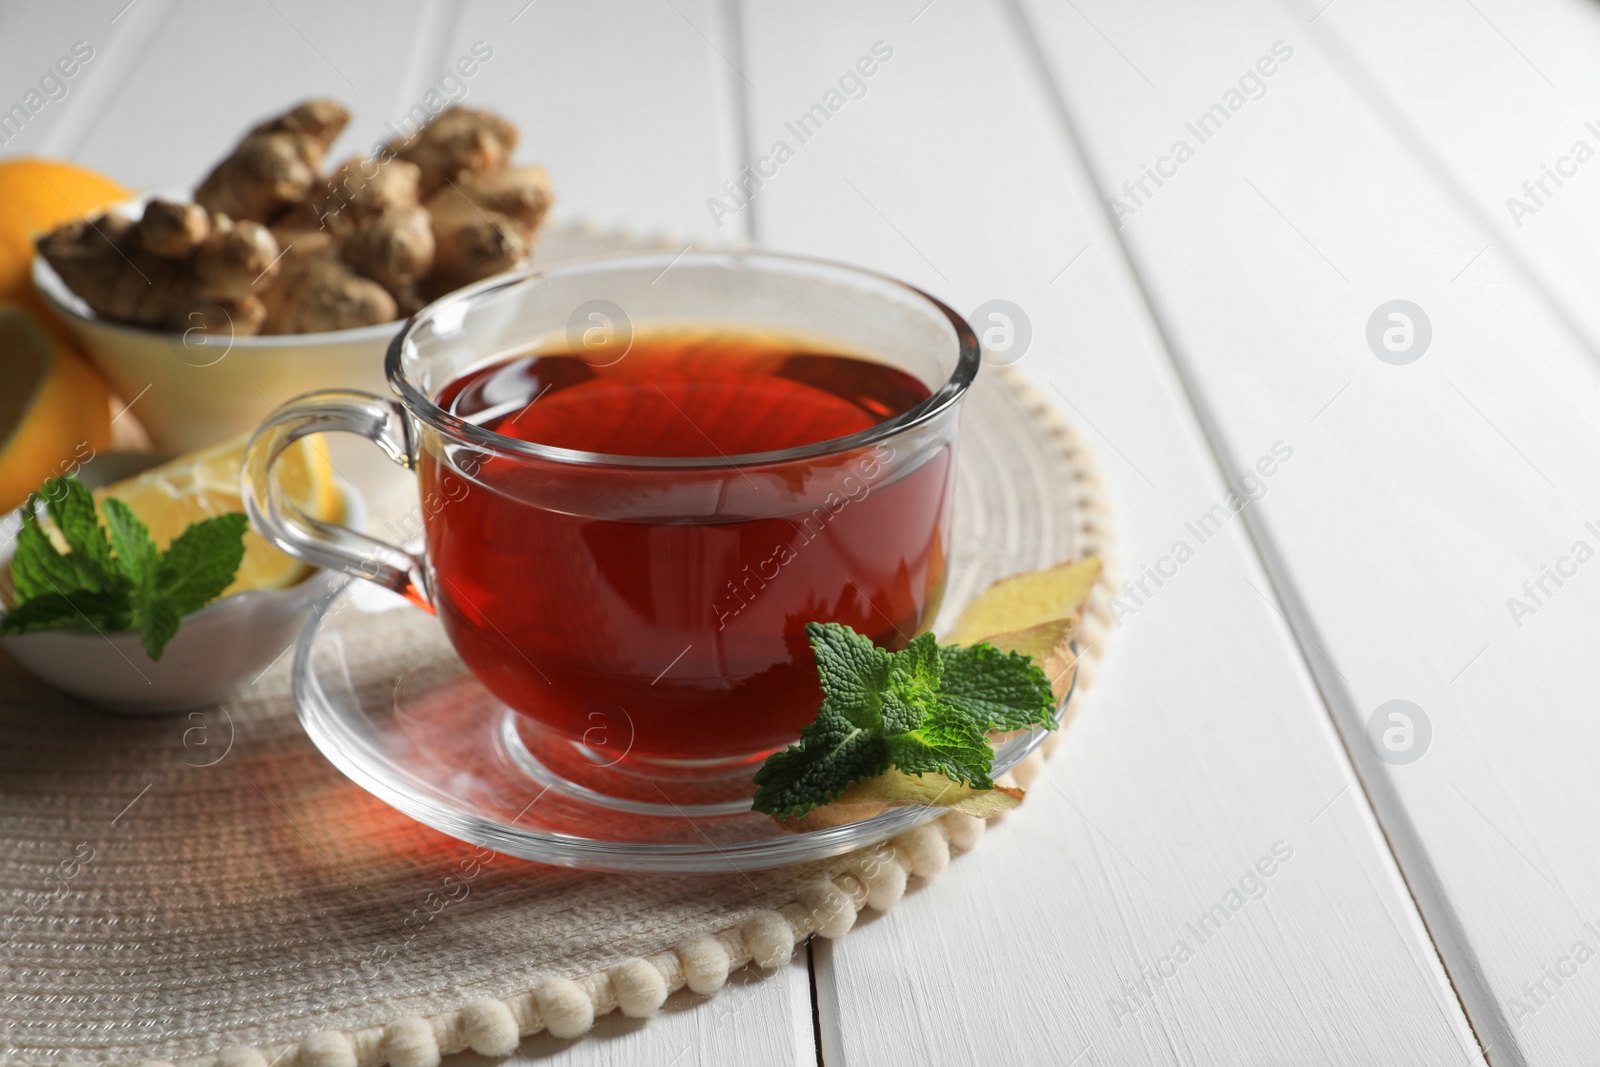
1245, 853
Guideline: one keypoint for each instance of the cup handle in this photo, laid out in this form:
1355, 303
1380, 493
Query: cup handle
311, 540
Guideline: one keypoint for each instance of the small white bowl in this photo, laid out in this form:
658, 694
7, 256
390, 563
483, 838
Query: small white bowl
229, 643
193, 389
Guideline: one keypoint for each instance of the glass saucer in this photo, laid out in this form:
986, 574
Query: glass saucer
388, 702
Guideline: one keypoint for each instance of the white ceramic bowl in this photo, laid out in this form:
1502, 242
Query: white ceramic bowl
194, 389
222, 646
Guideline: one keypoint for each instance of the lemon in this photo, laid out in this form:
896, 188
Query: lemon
54, 411
202, 484
39, 195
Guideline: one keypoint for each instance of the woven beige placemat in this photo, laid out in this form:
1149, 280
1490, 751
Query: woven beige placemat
209, 890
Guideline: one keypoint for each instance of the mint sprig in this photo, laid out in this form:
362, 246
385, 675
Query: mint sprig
925, 710
115, 578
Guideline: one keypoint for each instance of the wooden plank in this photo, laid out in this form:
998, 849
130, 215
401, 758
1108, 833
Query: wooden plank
1423, 495
1496, 98
632, 107
205, 72
1075, 934
60, 64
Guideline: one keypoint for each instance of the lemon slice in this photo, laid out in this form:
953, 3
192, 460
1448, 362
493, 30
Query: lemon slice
202, 484
39, 195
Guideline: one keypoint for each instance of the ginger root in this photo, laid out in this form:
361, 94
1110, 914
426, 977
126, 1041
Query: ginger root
271, 246
358, 190
485, 223
893, 789
161, 270
275, 165
387, 234
317, 292
458, 140
396, 250
173, 230
234, 259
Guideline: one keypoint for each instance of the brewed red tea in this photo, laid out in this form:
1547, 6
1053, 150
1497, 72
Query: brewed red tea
586, 607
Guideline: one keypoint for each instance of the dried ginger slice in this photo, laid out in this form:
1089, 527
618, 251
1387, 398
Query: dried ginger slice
894, 788
1027, 599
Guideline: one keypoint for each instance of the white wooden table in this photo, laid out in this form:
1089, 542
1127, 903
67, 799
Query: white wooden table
1224, 865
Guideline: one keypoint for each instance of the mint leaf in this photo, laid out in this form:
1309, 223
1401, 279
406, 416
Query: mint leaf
946, 742
157, 621
854, 671
154, 615
924, 711
72, 509
913, 685
115, 579
201, 562
83, 610
137, 555
49, 612
37, 569
833, 752
997, 690
194, 570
